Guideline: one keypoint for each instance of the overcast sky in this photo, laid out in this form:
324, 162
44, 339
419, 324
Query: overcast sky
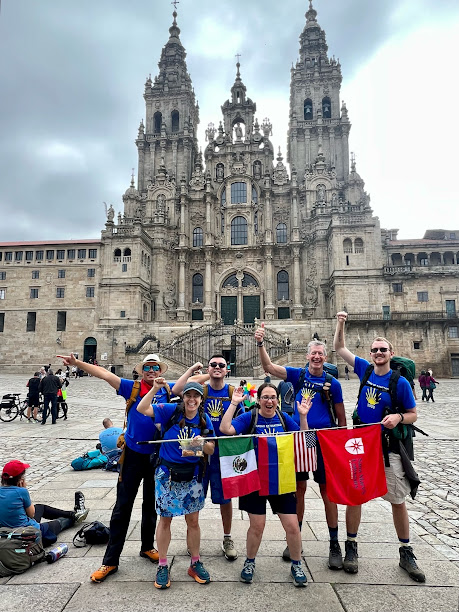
72, 76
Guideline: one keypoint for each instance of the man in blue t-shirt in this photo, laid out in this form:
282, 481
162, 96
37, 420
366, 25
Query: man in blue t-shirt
216, 401
135, 459
316, 387
372, 407
108, 437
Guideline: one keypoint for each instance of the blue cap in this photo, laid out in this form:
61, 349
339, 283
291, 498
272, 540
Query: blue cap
193, 386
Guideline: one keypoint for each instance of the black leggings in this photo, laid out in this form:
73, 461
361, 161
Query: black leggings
58, 521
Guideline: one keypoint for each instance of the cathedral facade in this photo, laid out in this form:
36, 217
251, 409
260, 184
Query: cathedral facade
229, 237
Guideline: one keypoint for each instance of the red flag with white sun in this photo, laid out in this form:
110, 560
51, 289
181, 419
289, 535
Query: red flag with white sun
354, 464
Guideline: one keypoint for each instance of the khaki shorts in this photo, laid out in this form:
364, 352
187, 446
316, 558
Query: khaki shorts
398, 485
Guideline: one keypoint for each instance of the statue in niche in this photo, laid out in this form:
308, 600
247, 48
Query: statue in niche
238, 132
321, 193
220, 172
161, 204
257, 170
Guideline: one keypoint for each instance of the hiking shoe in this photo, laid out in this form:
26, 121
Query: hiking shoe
79, 501
228, 549
335, 558
199, 573
162, 580
408, 563
247, 572
299, 577
103, 572
350, 563
152, 554
80, 515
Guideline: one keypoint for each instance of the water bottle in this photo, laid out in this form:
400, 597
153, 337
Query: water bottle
56, 553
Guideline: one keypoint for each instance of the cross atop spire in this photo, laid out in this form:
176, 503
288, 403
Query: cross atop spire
238, 65
175, 2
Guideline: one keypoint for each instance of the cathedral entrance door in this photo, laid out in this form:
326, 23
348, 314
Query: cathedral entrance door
229, 309
90, 349
251, 308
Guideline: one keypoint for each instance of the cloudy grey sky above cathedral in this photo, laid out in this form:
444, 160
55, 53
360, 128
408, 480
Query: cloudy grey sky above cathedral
72, 77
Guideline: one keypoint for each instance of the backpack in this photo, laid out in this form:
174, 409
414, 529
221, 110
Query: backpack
91, 533
331, 372
254, 420
20, 548
206, 395
89, 461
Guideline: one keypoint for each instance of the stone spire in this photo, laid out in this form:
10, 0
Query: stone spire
312, 39
240, 109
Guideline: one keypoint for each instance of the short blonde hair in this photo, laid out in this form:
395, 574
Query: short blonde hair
382, 339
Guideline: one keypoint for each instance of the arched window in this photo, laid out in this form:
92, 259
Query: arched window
326, 108
347, 245
127, 252
249, 281
157, 121
239, 230
281, 233
238, 193
117, 253
197, 237
358, 245
175, 121
282, 285
254, 195
231, 281
145, 312
308, 109
198, 288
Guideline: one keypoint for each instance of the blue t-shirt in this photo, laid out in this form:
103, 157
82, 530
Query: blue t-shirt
13, 504
140, 427
216, 404
264, 426
375, 397
319, 413
108, 438
171, 451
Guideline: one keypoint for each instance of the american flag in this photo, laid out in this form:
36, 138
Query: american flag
305, 451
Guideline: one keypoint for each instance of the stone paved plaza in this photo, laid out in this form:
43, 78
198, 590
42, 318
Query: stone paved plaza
380, 584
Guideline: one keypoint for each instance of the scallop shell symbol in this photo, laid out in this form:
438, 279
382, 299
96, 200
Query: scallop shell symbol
214, 408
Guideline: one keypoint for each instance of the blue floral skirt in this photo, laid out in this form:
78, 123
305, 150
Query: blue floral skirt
177, 498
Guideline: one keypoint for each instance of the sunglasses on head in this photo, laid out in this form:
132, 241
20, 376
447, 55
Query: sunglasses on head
381, 349
215, 364
154, 368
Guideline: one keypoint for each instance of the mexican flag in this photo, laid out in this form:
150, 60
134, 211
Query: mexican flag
238, 465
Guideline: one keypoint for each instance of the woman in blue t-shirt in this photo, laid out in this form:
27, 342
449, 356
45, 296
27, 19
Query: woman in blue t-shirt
178, 477
17, 509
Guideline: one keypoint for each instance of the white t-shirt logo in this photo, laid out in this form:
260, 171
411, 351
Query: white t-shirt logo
354, 446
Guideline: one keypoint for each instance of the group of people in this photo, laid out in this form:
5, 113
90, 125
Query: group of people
427, 383
177, 472
52, 387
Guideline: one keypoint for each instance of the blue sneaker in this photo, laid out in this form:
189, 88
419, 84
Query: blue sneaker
299, 577
247, 571
199, 573
162, 580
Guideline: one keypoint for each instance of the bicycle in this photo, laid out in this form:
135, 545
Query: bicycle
11, 407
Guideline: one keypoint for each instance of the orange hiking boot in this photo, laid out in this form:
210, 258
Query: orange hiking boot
152, 554
103, 572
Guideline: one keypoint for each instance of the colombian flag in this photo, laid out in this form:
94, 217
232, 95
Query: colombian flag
276, 465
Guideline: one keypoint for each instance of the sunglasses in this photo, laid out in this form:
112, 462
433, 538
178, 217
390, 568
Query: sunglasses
154, 368
381, 349
215, 364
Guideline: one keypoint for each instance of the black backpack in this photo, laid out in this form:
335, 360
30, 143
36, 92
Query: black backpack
254, 420
91, 533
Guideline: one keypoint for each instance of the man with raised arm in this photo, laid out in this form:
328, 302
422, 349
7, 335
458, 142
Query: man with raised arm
326, 398
135, 458
374, 405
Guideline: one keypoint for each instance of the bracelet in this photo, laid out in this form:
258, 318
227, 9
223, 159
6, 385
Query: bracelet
402, 418
260, 343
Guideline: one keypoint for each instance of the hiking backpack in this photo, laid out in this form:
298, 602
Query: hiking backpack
331, 372
89, 461
20, 548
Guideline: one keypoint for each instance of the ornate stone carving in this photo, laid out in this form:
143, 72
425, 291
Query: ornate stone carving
170, 296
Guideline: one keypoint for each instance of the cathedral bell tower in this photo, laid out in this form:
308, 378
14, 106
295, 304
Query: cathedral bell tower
318, 125
167, 142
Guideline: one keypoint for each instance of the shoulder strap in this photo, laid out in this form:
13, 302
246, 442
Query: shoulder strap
300, 383
134, 393
168, 392
253, 420
230, 391
393, 381
281, 419
364, 380
328, 396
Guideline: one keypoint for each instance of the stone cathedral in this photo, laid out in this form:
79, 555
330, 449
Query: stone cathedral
208, 243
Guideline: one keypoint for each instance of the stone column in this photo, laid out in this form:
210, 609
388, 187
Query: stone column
297, 306
208, 309
270, 309
181, 310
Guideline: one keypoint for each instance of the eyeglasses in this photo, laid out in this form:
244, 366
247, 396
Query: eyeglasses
268, 397
147, 368
214, 364
381, 349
